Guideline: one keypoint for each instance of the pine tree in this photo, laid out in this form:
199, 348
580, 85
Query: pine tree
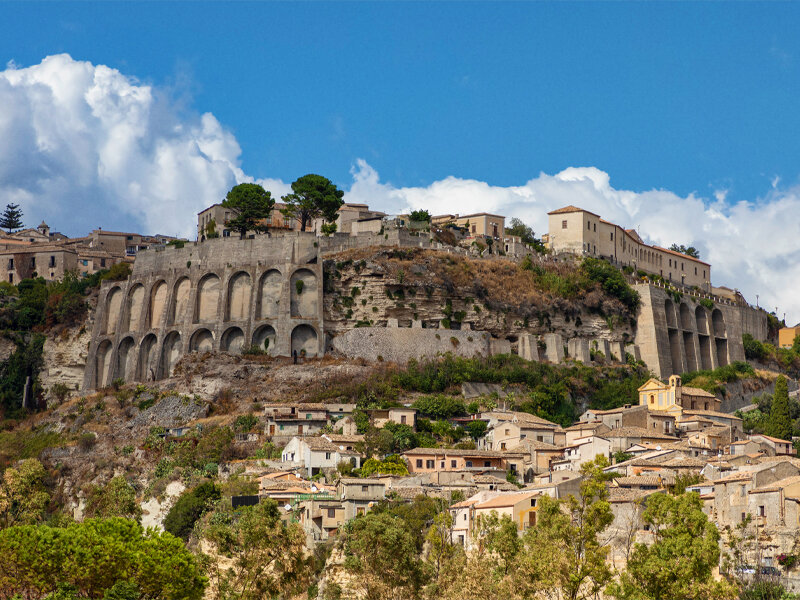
11, 218
780, 422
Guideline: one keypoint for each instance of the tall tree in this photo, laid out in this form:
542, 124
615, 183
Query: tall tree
563, 551
23, 497
11, 218
313, 196
266, 555
251, 204
680, 562
526, 233
780, 421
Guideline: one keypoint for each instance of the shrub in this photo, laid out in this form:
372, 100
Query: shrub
118, 272
753, 349
298, 285
255, 350
191, 505
87, 441
59, 391
245, 423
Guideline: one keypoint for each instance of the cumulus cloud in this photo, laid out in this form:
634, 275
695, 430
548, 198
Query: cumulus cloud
85, 146
752, 246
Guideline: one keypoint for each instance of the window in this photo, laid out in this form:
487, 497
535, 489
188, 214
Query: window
331, 513
452, 464
402, 419
441, 466
281, 427
102, 263
308, 416
670, 262
473, 229
10, 278
589, 226
595, 228
419, 463
469, 464
428, 464
695, 270
487, 463
10, 264
365, 488
761, 511
612, 236
505, 431
52, 262
327, 456
299, 429
563, 224
33, 262
743, 517
502, 445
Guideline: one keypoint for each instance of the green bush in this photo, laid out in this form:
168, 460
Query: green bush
753, 349
191, 505
440, 406
245, 423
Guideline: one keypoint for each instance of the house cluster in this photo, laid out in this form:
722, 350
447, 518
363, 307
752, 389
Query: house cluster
40, 252
676, 434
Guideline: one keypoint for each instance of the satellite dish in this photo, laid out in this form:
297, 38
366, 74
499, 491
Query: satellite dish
314, 488
288, 507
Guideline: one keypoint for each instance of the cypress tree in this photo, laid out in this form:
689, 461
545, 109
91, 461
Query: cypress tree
780, 422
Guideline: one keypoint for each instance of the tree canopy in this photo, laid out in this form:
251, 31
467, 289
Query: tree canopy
11, 218
251, 204
422, 216
313, 196
680, 562
526, 233
780, 420
688, 251
94, 556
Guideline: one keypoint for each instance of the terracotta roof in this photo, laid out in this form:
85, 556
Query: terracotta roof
683, 462
505, 500
777, 485
323, 445
465, 503
771, 439
662, 479
682, 255
739, 476
711, 413
528, 444
619, 495
571, 209
693, 391
521, 417
585, 425
621, 432
362, 480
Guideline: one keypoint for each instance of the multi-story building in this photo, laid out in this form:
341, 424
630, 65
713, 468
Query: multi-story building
477, 224
574, 230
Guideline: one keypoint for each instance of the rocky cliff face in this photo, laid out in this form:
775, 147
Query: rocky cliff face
369, 287
65, 358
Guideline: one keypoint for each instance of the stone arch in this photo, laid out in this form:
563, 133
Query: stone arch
718, 322
687, 322
304, 302
171, 353
207, 299
304, 337
134, 308
179, 306
240, 288
669, 310
147, 368
113, 308
701, 318
269, 294
125, 358
156, 305
232, 341
264, 337
102, 365
202, 340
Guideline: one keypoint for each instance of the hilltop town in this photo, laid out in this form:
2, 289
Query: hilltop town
410, 400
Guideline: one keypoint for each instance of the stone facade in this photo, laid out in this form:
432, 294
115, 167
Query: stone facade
215, 296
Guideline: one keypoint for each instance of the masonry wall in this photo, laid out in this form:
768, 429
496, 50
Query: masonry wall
221, 295
674, 336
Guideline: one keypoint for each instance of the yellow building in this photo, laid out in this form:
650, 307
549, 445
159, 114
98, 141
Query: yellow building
657, 395
786, 336
578, 231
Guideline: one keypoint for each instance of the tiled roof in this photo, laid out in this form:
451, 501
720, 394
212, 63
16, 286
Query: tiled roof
520, 417
735, 477
528, 444
693, 391
711, 413
570, 209
684, 463
454, 452
646, 480
505, 500
620, 495
777, 485
621, 432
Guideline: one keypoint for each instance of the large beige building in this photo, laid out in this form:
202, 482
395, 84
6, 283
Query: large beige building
578, 231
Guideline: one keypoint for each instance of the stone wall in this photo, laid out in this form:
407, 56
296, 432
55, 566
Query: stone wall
674, 336
400, 344
220, 295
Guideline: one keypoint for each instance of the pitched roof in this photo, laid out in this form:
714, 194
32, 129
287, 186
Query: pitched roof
777, 485
506, 500
571, 209
770, 438
454, 452
711, 413
693, 391
646, 480
641, 432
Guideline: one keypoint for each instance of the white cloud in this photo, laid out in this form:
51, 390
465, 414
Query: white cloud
86, 146
752, 246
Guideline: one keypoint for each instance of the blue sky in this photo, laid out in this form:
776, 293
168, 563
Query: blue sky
679, 119
683, 96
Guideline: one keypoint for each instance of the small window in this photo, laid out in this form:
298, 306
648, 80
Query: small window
102, 263
327, 456
452, 464
761, 511
331, 513
281, 427
563, 224
419, 463
469, 464
52, 262
308, 416
595, 228
364, 488
441, 466
10, 278
589, 226
33, 262
428, 464
473, 229
402, 419
612, 236
487, 463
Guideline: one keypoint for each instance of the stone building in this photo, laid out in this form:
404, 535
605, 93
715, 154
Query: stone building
577, 231
36, 260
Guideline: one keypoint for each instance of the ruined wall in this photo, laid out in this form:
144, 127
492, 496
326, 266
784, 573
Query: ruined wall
221, 295
674, 336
